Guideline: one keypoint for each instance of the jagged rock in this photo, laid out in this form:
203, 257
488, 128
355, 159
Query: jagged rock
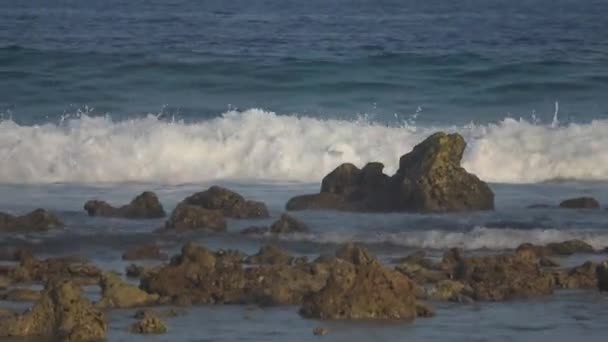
602, 276
190, 217
579, 277
230, 203
580, 203
447, 290
21, 295
117, 294
149, 325
61, 314
271, 255
502, 277
429, 179
144, 206
361, 288
145, 252
288, 224
420, 274
39, 220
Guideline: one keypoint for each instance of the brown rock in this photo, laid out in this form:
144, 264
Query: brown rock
117, 294
547, 262
557, 248
447, 289
144, 206
272, 255
145, 252
288, 224
420, 274
60, 314
429, 179
580, 203
31, 269
39, 220
189, 217
149, 325
579, 277
230, 203
355, 254
424, 310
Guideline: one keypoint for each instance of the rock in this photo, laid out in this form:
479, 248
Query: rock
117, 294
429, 179
39, 220
557, 248
5, 315
149, 325
602, 276
288, 224
424, 310
5, 282
272, 255
230, 203
145, 252
547, 262
503, 277
420, 274
31, 269
320, 331
137, 271
189, 217
579, 277
355, 254
580, 203
447, 289
60, 314
144, 206
362, 291
200, 276
21, 295
143, 313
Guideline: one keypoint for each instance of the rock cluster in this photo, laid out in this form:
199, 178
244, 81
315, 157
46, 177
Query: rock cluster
429, 179
39, 220
144, 206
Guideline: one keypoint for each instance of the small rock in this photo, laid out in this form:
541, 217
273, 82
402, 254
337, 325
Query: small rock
149, 325
144, 206
424, 310
320, 331
288, 224
117, 294
580, 203
189, 217
145, 252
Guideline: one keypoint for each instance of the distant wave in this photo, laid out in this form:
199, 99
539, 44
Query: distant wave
261, 145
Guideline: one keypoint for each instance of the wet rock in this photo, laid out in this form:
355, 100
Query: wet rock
429, 179
547, 262
31, 269
579, 277
134, 271
355, 254
420, 274
557, 248
144, 206
39, 220
230, 203
363, 291
320, 331
580, 203
272, 255
448, 290
149, 325
200, 276
424, 310
145, 252
61, 314
602, 276
117, 294
21, 295
503, 277
288, 224
189, 217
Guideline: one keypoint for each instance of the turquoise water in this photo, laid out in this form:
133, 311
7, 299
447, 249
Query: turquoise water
103, 99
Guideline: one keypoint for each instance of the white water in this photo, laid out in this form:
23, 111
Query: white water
260, 145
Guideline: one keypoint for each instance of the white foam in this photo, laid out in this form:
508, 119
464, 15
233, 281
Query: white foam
474, 239
261, 145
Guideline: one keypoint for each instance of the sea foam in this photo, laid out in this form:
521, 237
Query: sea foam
256, 144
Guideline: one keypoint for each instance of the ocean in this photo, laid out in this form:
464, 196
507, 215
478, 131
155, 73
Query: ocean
105, 99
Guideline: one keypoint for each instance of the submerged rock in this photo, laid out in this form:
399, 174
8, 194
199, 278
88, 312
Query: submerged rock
190, 217
149, 324
230, 203
144, 206
580, 203
288, 224
117, 294
145, 252
61, 314
39, 220
429, 179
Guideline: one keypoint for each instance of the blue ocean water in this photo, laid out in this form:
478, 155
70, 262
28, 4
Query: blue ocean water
104, 99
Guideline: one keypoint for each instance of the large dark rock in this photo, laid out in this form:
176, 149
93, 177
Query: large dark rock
191, 217
429, 179
61, 314
144, 206
230, 203
39, 220
580, 203
602, 276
